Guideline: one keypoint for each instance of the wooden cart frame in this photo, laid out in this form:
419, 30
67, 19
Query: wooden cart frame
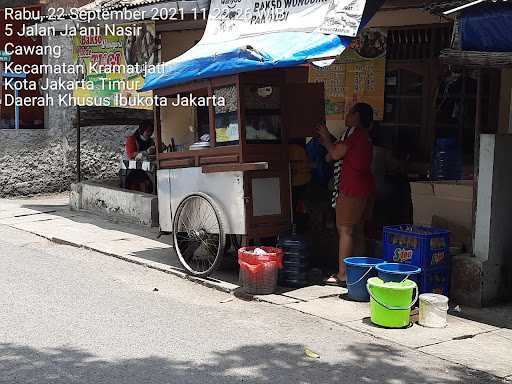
301, 110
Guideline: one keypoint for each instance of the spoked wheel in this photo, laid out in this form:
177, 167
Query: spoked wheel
198, 232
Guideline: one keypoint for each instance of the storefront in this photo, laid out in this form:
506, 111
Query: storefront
446, 115
480, 49
421, 105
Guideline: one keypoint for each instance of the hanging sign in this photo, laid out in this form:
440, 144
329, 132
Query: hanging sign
113, 66
357, 75
233, 19
365, 70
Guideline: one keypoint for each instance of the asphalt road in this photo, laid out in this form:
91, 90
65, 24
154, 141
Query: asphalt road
68, 315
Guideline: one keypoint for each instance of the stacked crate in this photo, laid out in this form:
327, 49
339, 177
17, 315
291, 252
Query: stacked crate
424, 247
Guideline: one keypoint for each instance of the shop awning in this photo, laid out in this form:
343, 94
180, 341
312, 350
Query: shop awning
213, 57
487, 28
274, 50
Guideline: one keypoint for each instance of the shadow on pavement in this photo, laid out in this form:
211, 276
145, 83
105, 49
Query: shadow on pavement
271, 363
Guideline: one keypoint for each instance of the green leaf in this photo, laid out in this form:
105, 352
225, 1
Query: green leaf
311, 354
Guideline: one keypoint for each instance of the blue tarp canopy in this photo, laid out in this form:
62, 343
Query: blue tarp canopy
273, 50
487, 28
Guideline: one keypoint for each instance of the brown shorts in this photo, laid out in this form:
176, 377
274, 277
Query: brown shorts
351, 211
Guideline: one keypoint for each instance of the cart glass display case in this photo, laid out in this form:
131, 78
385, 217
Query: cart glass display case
262, 113
226, 115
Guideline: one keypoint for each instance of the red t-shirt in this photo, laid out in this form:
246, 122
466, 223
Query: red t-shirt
131, 147
356, 172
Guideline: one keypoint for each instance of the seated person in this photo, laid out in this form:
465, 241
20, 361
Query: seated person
140, 146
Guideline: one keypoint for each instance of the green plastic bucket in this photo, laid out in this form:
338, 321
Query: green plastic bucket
391, 303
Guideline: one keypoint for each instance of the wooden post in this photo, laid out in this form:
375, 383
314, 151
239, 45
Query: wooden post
241, 118
157, 123
16, 109
476, 159
78, 167
462, 115
211, 118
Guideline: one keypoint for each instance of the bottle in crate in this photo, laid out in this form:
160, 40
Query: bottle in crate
446, 160
424, 247
435, 280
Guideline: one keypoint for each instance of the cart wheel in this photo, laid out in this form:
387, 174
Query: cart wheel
198, 233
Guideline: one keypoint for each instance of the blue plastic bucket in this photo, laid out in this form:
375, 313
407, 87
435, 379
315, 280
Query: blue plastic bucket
397, 272
359, 270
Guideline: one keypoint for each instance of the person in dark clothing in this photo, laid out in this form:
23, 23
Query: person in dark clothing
393, 204
140, 146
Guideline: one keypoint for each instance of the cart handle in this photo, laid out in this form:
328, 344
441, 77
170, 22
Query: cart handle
234, 167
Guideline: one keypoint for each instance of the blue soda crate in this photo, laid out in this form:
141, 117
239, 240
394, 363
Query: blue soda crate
424, 247
435, 280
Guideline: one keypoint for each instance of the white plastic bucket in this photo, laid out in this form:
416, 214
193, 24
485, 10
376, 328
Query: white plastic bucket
433, 310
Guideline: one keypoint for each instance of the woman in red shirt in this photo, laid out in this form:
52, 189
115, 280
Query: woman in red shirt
140, 146
356, 187
140, 143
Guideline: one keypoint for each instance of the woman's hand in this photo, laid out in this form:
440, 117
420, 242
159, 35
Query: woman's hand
324, 135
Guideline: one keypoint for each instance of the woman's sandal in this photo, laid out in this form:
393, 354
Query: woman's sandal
336, 281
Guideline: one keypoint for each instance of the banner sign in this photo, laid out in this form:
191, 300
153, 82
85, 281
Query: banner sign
333, 78
233, 19
357, 75
365, 71
114, 66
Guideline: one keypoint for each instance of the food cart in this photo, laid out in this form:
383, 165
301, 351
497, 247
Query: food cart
223, 170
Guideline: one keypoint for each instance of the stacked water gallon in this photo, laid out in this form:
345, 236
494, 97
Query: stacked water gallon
446, 160
424, 247
296, 252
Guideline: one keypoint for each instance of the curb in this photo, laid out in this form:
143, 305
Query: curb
153, 265
219, 286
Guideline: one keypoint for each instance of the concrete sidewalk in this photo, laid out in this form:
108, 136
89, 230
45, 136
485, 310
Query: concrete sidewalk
472, 344
51, 218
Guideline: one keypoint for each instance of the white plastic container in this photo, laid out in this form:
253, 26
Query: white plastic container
433, 310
